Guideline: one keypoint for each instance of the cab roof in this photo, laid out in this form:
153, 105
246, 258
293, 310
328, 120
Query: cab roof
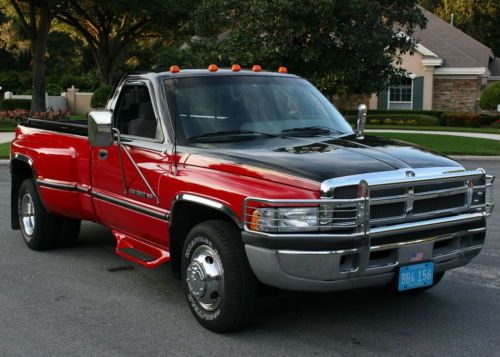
206, 72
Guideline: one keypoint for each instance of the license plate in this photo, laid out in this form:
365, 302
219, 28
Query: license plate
416, 276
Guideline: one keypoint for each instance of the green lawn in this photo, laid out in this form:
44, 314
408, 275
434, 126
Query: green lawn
7, 126
4, 150
450, 145
436, 128
78, 117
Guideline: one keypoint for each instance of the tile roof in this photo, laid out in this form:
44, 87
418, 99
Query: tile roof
456, 48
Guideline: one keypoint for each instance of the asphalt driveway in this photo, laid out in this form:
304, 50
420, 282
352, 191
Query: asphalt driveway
86, 301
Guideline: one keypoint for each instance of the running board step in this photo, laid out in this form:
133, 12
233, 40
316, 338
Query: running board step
139, 252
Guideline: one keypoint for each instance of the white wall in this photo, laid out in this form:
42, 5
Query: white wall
72, 100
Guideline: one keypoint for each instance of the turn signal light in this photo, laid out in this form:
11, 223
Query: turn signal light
235, 68
174, 69
282, 70
213, 68
256, 68
254, 223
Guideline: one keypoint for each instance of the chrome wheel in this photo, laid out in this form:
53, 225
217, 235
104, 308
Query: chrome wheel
27, 214
205, 277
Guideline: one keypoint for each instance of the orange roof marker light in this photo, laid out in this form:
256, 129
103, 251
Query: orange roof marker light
256, 68
174, 69
213, 68
282, 70
235, 68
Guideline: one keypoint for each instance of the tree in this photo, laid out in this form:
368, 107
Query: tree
111, 27
35, 18
342, 46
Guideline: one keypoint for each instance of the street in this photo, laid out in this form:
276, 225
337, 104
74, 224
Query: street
87, 301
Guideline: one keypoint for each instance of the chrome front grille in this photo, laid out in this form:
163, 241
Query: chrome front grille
439, 186
399, 200
417, 198
440, 204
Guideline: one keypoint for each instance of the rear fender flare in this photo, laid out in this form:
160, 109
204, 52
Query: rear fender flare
16, 182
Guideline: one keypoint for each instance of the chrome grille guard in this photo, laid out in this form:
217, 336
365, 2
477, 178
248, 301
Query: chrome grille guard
477, 190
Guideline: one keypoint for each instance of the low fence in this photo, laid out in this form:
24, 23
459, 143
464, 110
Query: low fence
72, 100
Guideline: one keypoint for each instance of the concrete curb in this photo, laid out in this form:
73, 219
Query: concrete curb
470, 157
489, 136
4, 162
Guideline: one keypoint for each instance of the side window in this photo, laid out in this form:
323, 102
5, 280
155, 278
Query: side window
134, 114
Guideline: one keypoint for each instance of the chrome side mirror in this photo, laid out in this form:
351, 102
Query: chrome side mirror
361, 122
100, 128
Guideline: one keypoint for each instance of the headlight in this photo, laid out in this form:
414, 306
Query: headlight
304, 219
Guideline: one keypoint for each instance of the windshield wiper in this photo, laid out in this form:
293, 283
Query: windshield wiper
229, 133
312, 130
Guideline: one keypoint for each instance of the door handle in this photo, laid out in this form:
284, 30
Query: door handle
103, 154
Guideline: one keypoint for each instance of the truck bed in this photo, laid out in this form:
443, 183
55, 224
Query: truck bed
75, 127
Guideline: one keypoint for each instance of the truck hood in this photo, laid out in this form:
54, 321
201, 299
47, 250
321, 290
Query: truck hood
315, 158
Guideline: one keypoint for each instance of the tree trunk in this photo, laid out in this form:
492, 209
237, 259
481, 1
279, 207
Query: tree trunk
106, 62
39, 48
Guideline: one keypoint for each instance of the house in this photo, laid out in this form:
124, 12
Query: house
448, 71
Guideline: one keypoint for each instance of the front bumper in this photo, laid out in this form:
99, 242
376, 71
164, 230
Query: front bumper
447, 244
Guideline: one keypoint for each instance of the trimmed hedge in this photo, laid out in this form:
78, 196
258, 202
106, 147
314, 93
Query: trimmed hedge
100, 96
14, 104
490, 97
397, 119
432, 113
421, 118
461, 119
487, 120
53, 89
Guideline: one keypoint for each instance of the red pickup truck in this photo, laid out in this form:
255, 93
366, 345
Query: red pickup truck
243, 178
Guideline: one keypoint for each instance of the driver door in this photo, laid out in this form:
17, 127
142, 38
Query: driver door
126, 178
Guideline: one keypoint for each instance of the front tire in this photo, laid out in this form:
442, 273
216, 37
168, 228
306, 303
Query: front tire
219, 284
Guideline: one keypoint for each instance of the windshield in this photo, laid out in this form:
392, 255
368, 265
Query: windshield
231, 108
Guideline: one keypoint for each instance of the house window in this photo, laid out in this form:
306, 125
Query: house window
400, 96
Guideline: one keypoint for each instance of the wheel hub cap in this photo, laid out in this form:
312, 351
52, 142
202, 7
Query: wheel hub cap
27, 214
205, 277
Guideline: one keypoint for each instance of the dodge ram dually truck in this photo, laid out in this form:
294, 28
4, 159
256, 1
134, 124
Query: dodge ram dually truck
244, 178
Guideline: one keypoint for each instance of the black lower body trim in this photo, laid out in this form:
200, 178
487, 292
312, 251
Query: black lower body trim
131, 206
58, 186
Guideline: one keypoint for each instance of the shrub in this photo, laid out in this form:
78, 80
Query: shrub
496, 124
85, 82
461, 119
18, 114
432, 113
490, 97
13, 115
51, 115
53, 89
397, 119
100, 97
13, 104
9, 80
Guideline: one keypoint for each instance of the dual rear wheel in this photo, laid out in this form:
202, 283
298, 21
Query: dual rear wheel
40, 229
